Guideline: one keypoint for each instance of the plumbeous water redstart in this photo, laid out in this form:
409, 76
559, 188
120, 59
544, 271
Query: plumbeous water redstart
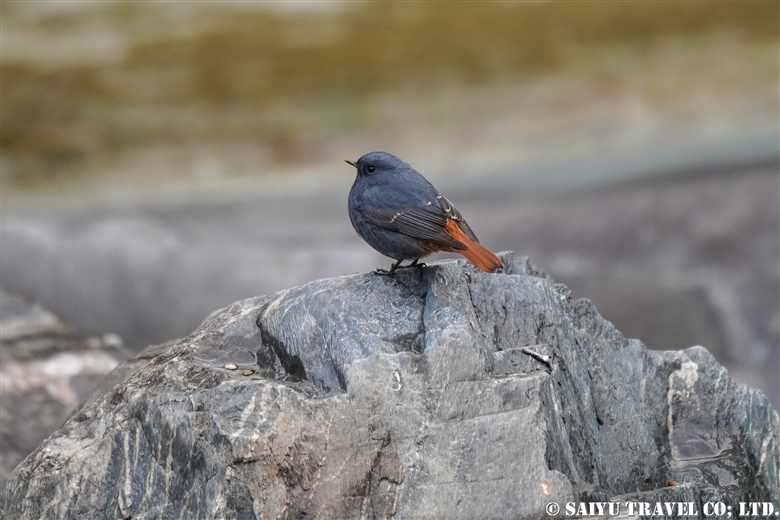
401, 215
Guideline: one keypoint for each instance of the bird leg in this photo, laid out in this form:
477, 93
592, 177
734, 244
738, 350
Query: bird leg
415, 264
394, 267
397, 265
391, 272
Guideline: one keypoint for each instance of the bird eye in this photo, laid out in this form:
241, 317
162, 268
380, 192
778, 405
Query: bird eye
370, 169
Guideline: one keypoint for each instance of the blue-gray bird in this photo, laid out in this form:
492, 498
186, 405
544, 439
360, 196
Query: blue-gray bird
401, 215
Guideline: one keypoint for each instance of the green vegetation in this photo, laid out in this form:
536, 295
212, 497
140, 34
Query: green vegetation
278, 77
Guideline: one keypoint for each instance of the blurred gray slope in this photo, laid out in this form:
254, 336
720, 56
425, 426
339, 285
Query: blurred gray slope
46, 370
448, 393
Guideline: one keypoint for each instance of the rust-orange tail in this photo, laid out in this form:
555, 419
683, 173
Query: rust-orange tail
478, 255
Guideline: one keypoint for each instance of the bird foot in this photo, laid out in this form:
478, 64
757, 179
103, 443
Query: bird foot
391, 272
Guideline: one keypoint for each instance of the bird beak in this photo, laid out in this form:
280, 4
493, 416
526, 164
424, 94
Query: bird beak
350, 163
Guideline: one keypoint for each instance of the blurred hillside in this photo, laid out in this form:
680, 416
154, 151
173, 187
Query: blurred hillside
136, 96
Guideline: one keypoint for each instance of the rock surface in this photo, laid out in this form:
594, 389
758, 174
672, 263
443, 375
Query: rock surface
46, 370
447, 393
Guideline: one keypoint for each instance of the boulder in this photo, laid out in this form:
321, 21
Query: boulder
46, 370
443, 393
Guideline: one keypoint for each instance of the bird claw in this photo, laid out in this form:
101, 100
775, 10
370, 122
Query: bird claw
396, 266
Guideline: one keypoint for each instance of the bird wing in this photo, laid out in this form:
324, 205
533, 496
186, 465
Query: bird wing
455, 215
425, 222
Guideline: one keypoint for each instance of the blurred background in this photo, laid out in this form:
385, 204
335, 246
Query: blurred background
162, 160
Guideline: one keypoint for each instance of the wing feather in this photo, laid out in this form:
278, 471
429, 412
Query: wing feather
452, 212
426, 222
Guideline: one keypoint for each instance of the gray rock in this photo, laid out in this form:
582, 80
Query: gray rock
447, 393
21, 317
46, 370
